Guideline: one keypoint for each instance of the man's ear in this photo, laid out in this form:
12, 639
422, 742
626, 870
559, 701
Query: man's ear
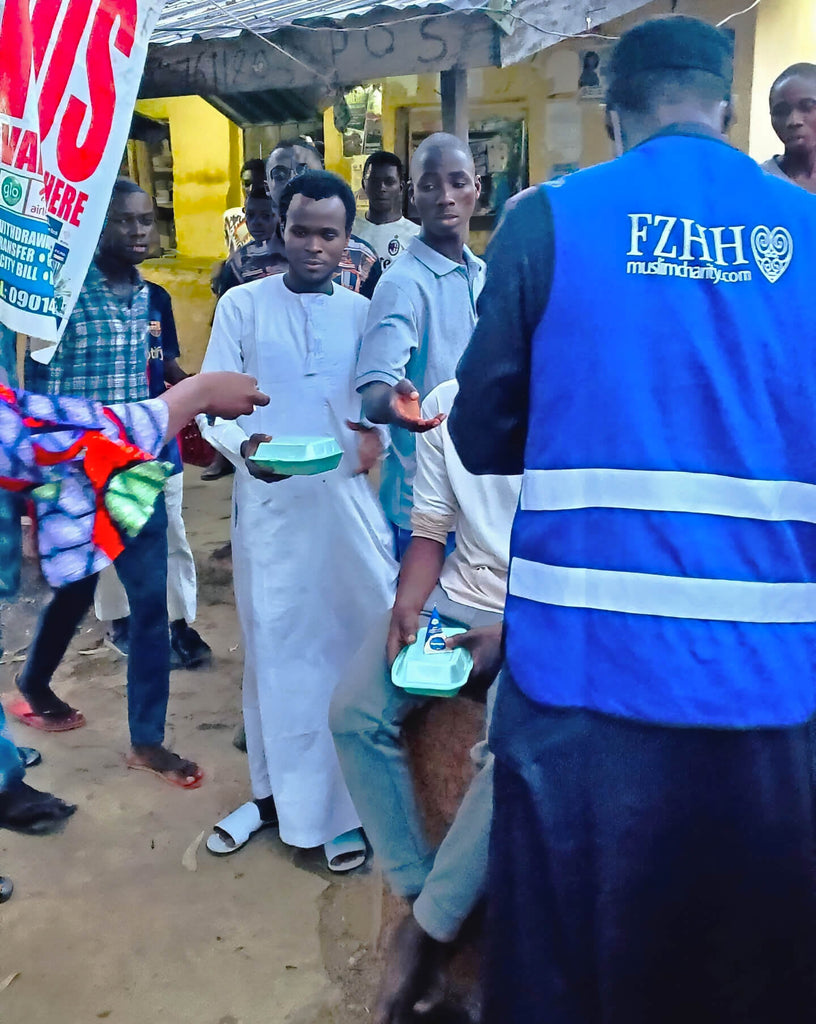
477, 181
410, 191
728, 116
610, 133
614, 130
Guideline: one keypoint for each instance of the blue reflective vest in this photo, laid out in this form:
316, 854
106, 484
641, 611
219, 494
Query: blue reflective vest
663, 559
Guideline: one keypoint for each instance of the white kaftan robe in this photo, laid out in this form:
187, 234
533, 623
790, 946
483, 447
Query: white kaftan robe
312, 556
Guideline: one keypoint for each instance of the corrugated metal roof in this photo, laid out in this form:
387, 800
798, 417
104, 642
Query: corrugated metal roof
181, 20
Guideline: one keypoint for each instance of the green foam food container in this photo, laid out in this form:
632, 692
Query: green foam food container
441, 674
299, 456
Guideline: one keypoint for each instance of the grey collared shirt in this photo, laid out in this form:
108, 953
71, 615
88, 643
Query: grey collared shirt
421, 316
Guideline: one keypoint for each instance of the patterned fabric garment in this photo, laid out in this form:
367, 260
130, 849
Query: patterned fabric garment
358, 268
251, 262
60, 450
103, 353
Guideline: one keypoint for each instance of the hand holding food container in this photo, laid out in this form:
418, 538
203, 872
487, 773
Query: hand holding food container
428, 667
484, 644
274, 459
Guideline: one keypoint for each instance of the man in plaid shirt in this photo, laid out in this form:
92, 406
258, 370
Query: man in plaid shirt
104, 355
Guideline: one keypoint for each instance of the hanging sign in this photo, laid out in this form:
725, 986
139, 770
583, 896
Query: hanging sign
69, 75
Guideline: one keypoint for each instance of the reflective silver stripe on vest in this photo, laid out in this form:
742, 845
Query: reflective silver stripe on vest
549, 490
680, 597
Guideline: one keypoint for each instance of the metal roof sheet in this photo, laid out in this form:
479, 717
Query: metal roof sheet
181, 20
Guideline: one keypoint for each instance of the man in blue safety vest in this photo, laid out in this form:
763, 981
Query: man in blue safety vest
646, 356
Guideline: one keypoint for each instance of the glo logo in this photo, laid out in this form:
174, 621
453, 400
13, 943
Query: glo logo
11, 191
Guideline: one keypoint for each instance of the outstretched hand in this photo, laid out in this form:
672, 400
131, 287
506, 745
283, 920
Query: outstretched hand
485, 647
221, 393
230, 394
369, 447
248, 449
406, 412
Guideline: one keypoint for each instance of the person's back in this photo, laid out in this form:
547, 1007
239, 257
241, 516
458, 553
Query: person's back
707, 371
653, 734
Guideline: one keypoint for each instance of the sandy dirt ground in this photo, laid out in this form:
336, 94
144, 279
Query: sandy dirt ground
107, 922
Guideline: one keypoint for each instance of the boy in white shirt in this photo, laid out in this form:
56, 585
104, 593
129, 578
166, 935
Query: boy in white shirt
367, 712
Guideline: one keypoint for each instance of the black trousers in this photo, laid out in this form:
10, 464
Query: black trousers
648, 875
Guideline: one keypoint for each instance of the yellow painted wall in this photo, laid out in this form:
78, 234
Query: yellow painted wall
786, 34
206, 149
188, 281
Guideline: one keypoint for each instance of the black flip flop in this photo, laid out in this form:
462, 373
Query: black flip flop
29, 756
6, 889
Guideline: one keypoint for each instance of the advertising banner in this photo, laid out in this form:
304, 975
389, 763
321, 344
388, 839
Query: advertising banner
69, 76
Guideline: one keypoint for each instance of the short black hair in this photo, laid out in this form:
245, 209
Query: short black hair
801, 70
291, 143
256, 165
648, 89
124, 187
667, 60
319, 185
383, 158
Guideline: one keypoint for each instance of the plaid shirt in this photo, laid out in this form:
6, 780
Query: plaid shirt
104, 350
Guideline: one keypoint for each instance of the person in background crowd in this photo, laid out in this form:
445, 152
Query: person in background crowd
653, 849
187, 649
236, 235
264, 254
236, 230
259, 257
422, 315
66, 491
368, 712
359, 269
793, 115
383, 226
103, 355
311, 554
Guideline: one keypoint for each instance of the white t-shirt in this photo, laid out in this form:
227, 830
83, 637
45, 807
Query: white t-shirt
479, 509
388, 240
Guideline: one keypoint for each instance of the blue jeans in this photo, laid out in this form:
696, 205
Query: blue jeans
142, 568
12, 768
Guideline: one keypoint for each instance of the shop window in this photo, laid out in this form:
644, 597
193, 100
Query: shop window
150, 164
499, 146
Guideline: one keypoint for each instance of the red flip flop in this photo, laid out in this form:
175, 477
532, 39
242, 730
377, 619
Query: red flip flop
20, 709
195, 783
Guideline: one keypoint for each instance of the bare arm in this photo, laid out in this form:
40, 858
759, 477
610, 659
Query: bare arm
220, 393
419, 574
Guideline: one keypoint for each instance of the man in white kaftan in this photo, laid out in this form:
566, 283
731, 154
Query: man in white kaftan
312, 555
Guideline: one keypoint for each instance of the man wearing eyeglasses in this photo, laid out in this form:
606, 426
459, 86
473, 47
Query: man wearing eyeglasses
359, 268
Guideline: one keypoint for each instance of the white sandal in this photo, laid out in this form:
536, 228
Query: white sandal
233, 832
347, 852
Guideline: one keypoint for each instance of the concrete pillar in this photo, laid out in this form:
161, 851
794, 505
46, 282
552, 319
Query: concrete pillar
453, 86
